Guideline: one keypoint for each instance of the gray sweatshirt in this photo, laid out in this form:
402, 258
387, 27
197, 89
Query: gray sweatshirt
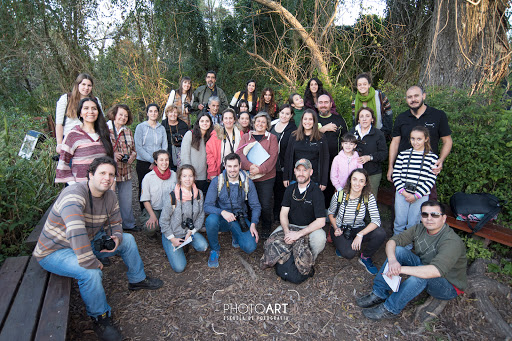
171, 217
194, 157
148, 140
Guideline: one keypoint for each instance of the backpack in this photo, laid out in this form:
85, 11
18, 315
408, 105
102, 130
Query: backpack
288, 271
477, 207
245, 183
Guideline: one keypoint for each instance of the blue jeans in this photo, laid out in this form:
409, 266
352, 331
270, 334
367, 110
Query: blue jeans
65, 263
406, 214
439, 287
124, 196
177, 258
216, 223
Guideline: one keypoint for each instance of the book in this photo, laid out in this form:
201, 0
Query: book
187, 241
394, 281
257, 155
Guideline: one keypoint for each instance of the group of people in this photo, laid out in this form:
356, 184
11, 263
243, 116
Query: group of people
244, 163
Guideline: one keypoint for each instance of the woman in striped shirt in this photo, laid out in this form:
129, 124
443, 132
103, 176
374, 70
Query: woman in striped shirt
347, 212
413, 179
84, 143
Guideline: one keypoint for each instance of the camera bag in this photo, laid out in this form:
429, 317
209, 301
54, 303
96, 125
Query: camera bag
288, 271
476, 207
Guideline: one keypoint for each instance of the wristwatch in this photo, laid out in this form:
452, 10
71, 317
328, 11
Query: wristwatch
371, 157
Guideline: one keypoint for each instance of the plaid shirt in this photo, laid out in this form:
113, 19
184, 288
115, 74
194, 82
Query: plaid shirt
125, 144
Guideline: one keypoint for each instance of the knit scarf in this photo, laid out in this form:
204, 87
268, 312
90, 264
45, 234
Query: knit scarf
165, 176
369, 99
186, 196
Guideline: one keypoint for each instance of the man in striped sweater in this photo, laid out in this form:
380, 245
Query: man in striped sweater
73, 241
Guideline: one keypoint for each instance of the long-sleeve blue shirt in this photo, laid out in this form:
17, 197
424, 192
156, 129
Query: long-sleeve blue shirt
148, 140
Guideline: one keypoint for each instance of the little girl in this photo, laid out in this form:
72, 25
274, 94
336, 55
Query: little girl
345, 162
413, 179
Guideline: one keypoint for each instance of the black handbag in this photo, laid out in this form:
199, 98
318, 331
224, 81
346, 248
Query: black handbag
477, 207
288, 271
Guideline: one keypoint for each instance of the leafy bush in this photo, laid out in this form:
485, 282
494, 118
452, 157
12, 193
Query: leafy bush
26, 186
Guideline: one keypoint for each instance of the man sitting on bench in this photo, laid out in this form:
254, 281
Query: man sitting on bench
439, 265
84, 226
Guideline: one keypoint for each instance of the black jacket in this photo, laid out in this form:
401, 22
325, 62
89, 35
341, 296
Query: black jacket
283, 143
374, 143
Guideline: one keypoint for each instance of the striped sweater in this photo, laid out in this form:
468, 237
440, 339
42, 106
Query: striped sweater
348, 218
79, 149
412, 172
73, 224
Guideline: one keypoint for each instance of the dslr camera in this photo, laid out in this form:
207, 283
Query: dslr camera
105, 243
177, 138
349, 232
125, 158
188, 107
188, 224
410, 187
240, 217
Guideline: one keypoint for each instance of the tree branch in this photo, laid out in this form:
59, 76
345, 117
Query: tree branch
273, 67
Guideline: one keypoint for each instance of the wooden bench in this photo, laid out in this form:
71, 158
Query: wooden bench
34, 304
491, 232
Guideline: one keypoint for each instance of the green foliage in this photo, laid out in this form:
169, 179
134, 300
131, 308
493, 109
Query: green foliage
475, 249
26, 186
505, 267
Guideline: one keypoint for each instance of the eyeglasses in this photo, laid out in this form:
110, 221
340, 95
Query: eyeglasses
434, 215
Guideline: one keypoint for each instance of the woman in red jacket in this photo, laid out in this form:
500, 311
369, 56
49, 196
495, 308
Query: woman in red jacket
263, 174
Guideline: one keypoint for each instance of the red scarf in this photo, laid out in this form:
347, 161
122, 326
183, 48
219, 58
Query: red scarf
165, 176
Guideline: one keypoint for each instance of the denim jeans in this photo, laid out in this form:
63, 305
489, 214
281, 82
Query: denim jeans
265, 190
124, 196
317, 240
438, 288
216, 223
406, 214
177, 258
64, 262
371, 242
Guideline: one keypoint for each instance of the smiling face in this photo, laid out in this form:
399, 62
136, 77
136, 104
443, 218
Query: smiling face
211, 80
298, 102
267, 97
365, 119
313, 86
324, 105
418, 140
214, 107
232, 169
204, 123
102, 179
186, 85
357, 182
251, 86
162, 162
244, 120
415, 98
152, 113
260, 125
348, 147
285, 115
308, 121
187, 178
243, 107
85, 88
303, 174
89, 112
228, 119
172, 115
121, 117
363, 86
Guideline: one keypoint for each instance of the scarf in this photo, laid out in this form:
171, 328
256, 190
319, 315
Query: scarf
165, 176
186, 196
369, 99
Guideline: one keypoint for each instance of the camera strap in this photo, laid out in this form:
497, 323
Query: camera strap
92, 212
345, 203
181, 201
421, 166
117, 136
229, 194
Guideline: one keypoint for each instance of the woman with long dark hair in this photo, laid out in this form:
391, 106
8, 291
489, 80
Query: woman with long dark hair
314, 90
347, 213
182, 99
307, 142
84, 143
243, 122
122, 139
267, 103
193, 149
66, 112
249, 95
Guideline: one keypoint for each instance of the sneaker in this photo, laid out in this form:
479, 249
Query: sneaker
368, 265
235, 244
104, 328
148, 283
213, 261
338, 254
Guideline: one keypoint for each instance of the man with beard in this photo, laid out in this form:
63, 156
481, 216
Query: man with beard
303, 206
333, 127
419, 114
204, 92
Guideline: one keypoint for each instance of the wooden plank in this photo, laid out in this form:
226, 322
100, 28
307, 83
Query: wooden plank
31, 240
22, 320
53, 322
10, 276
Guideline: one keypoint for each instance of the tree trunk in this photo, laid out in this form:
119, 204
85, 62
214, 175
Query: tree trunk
468, 45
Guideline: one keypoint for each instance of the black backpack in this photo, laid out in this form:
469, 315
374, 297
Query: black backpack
477, 207
289, 272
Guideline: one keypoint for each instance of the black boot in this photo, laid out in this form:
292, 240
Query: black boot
104, 328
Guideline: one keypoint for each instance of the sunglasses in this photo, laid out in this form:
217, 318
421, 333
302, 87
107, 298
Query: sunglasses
434, 215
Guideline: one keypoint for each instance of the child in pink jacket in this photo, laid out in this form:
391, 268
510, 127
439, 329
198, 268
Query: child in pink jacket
345, 162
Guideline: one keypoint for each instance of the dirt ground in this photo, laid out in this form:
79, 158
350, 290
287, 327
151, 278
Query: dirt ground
237, 301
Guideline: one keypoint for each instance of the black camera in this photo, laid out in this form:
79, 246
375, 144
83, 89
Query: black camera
125, 158
188, 106
188, 224
410, 187
349, 232
240, 217
105, 243
176, 139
